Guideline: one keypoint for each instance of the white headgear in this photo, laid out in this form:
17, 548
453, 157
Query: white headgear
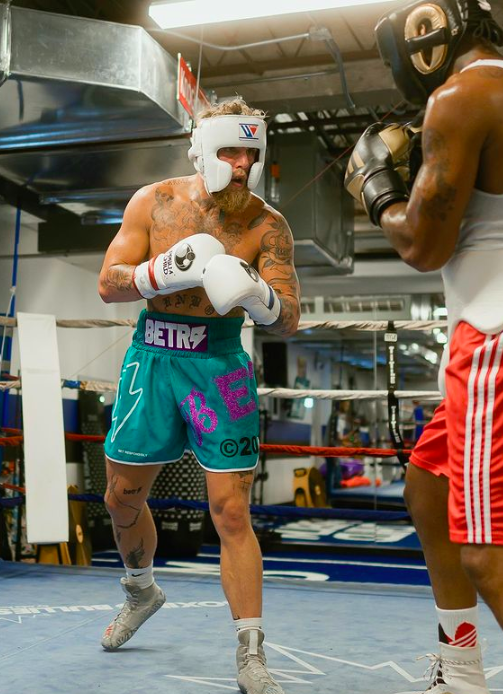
217, 132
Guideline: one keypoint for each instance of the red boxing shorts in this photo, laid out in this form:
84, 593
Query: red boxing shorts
464, 440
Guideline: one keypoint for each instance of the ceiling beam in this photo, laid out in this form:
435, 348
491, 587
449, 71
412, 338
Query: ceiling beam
370, 83
341, 122
210, 75
293, 104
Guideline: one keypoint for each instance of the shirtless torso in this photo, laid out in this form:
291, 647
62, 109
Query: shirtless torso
161, 214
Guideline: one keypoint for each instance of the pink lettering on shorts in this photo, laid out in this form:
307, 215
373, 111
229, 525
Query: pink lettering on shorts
234, 389
203, 419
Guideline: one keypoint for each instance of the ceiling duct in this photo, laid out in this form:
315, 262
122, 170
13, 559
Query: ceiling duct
307, 187
359, 308
75, 93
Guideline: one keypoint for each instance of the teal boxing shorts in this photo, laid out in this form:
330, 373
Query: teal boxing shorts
186, 384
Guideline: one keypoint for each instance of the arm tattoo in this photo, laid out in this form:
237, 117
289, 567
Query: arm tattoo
289, 317
438, 207
277, 245
120, 277
276, 251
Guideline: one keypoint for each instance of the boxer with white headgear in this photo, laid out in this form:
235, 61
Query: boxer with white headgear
201, 250
443, 55
219, 132
215, 141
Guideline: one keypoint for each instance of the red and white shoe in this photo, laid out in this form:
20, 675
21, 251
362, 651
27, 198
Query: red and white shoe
456, 671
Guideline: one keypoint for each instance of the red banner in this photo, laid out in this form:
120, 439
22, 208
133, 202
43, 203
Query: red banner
187, 88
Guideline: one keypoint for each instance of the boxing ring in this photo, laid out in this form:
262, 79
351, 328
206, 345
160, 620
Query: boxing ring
332, 623
336, 637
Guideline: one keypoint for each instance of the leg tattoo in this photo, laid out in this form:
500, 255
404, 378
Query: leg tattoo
135, 556
111, 492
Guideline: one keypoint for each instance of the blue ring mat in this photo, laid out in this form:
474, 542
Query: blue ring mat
321, 637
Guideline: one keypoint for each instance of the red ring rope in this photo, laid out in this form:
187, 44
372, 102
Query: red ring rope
272, 449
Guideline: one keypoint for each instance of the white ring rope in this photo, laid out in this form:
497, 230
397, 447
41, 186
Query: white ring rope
79, 323
372, 325
366, 326
7, 385
294, 394
283, 393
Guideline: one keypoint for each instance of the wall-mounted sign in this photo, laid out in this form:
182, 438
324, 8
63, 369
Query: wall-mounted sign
187, 89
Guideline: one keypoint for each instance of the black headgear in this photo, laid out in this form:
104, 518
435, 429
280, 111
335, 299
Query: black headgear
419, 42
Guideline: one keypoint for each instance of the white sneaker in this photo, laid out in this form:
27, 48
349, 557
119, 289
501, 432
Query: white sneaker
138, 607
253, 675
456, 671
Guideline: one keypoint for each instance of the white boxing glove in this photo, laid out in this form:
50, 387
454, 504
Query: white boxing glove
229, 282
181, 267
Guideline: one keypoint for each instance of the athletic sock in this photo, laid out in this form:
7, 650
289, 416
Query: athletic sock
458, 627
143, 578
251, 623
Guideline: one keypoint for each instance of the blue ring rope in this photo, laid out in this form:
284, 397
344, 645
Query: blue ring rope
279, 511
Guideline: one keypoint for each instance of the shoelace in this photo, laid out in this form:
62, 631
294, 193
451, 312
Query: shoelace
433, 672
132, 601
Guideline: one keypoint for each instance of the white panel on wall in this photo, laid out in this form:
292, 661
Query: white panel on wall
44, 437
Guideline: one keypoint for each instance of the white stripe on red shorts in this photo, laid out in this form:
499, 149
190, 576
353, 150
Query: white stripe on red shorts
474, 380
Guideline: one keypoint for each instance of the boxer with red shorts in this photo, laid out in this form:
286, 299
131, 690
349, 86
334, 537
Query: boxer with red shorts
464, 439
443, 54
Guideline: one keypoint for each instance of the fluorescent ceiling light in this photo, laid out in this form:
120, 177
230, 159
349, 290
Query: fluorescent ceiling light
185, 13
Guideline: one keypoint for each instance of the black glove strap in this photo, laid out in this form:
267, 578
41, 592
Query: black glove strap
382, 189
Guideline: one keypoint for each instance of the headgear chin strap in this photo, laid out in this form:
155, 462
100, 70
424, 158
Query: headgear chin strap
419, 43
217, 132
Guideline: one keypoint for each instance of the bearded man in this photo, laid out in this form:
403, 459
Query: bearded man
201, 250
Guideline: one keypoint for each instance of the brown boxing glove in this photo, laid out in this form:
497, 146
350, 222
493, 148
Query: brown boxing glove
378, 169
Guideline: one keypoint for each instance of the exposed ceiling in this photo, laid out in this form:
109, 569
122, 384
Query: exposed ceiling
296, 80
288, 66
282, 75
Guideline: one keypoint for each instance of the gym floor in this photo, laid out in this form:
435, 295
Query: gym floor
322, 636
